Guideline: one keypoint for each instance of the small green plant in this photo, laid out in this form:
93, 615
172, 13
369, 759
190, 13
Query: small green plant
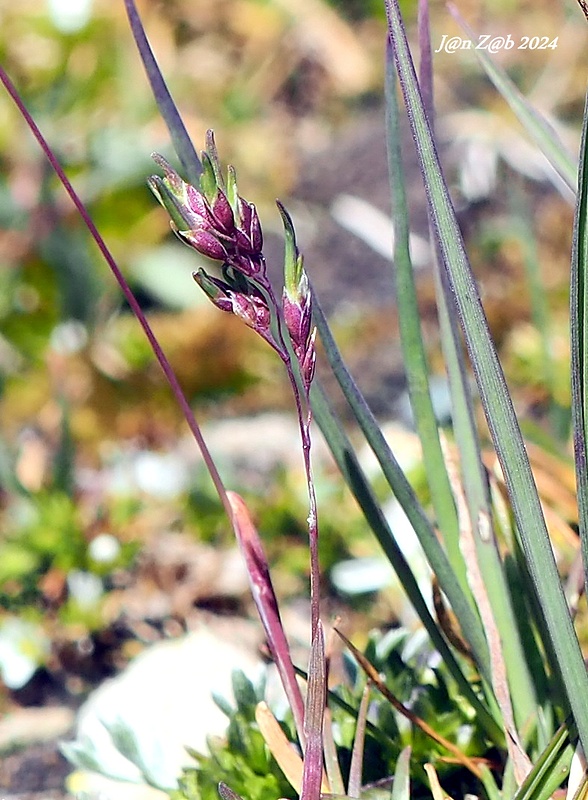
494, 699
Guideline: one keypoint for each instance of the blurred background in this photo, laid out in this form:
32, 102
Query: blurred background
110, 533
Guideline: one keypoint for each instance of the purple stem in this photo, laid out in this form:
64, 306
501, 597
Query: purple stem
126, 290
304, 413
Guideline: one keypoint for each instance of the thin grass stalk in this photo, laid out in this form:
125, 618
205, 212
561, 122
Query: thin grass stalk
316, 698
126, 290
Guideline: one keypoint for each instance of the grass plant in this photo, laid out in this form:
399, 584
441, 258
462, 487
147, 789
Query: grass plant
494, 699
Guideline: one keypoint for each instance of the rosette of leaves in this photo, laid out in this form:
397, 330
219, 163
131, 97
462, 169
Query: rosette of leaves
242, 757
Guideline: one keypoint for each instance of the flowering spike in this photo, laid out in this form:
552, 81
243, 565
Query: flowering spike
212, 218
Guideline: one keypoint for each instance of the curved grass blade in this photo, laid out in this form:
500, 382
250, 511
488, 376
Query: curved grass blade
495, 398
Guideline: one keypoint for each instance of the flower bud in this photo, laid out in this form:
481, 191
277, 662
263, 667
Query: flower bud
222, 212
218, 291
205, 243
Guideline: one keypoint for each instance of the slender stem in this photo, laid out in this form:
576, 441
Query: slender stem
126, 290
304, 413
304, 421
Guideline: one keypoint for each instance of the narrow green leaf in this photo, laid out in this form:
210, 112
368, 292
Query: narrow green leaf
550, 769
497, 403
475, 483
167, 108
413, 348
579, 334
401, 785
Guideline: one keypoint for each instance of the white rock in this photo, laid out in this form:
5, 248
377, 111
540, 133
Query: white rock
165, 697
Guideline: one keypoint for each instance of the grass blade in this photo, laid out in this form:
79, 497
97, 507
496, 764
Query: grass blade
469, 621
177, 130
413, 348
497, 403
579, 334
485, 557
401, 785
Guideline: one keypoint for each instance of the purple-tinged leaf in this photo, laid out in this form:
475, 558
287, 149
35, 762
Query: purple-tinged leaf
177, 130
267, 606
